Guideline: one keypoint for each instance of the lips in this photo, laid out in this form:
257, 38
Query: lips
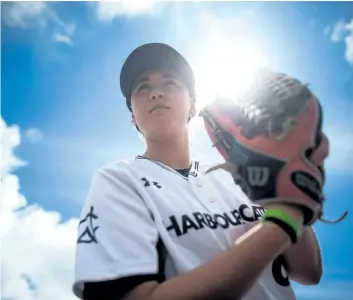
158, 106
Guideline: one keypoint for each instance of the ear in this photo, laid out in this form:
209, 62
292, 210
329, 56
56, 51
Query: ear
133, 121
193, 108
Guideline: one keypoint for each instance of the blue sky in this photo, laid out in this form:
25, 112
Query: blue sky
60, 96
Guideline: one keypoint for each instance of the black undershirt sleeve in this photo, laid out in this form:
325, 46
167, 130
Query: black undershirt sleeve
116, 289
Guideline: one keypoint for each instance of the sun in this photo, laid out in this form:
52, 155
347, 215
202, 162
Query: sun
225, 67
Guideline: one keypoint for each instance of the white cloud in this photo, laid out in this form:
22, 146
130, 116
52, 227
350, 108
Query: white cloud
65, 38
31, 14
337, 33
23, 14
10, 138
33, 135
349, 26
343, 32
108, 11
349, 42
37, 250
61, 38
65, 32
349, 48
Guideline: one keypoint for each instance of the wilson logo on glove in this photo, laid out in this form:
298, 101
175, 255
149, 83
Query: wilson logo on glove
271, 138
258, 176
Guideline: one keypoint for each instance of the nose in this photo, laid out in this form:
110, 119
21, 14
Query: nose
156, 94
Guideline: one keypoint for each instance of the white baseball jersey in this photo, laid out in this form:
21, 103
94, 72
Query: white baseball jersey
136, 204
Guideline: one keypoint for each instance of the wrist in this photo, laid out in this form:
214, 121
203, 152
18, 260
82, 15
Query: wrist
288, 220
277, 233
294, 212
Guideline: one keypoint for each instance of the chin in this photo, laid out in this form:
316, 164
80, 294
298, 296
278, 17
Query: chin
165, 131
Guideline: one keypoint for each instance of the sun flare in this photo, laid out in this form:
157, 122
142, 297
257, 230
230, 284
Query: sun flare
225, 67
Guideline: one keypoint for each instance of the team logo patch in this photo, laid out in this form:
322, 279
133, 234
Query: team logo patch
150, 183
88, 235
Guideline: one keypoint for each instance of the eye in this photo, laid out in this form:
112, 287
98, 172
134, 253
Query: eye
143, 86
171, 83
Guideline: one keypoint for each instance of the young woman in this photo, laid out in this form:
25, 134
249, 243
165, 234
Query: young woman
157, 227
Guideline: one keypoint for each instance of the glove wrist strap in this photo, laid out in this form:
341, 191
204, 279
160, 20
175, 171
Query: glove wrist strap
285, 221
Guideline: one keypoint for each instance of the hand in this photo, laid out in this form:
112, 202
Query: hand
272, 142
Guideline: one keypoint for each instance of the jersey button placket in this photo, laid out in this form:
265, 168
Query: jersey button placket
200, 188
198, 183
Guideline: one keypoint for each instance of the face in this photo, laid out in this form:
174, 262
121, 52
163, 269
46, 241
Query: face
161, 104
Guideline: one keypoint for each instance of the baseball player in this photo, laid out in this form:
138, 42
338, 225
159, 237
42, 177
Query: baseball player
160, 226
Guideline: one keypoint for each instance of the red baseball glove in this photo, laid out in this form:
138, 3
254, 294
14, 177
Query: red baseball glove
272, 141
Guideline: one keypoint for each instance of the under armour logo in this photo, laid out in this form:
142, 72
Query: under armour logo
89, 234
258, 176
148, 183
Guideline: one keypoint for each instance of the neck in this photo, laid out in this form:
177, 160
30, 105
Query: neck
173, 152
